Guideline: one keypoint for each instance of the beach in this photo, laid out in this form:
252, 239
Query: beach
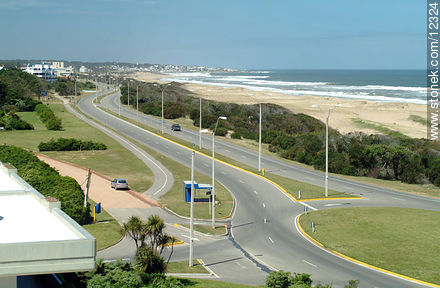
346, 116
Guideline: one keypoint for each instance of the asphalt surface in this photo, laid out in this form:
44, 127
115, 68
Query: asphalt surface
264, 222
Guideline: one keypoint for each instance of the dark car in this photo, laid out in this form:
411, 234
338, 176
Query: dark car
176, 127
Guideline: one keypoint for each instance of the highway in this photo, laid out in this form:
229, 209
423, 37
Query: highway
264, 220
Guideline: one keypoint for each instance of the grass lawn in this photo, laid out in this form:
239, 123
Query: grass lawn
308, 191
207, 229
378, 127
116, 161
401, 240
183, 267
105, 230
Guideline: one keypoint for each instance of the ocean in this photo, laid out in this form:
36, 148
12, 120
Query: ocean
403, 86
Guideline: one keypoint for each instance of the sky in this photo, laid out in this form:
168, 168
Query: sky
240, 34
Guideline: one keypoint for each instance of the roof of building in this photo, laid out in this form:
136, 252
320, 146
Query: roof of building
36, 236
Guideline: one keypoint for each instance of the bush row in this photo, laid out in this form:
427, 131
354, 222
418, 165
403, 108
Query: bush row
70, 144
48, 182
48, 117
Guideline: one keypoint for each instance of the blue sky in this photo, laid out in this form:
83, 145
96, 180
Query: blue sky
253, 34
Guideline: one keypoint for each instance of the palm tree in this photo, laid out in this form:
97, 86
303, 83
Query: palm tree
135, 229
155, 232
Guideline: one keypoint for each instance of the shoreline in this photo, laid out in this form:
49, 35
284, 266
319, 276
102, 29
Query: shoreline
345, 116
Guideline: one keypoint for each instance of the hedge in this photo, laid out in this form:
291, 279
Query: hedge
70, 144
48, 117
48, 182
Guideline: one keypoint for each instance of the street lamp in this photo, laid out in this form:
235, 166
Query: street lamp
137, 103
191, 221
326, 152
259, 138
213, 174
128, 97
162, 89
200, 125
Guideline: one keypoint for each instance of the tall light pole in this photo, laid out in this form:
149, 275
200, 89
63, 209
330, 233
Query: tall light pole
259, 138
200, 125
213, 174
137, 103
162, 89
259, 143
191, 221
128, 97
326, 152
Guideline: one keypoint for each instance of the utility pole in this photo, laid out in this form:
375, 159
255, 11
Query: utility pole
86, 196
200, 125
128, 97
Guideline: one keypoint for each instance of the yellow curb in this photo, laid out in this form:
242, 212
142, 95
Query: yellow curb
360, 262
175, 243
176, 225
200, 262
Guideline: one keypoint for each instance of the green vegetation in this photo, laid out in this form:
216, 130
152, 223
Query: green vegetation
70, 144
48, 117
301, 138
137, 174
66, 87
48, 182
377, 127
11, 121
106, 229
183, 267
418, 119
382, 237
17, 89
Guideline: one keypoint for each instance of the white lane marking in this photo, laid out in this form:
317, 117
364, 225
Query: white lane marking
256, 193
335, 204
157, 143
209, 270
206, 165
311, 264
177, 152
307, 205
271, 240
227, 150
241, 181
186, 236
398, 198
264, 205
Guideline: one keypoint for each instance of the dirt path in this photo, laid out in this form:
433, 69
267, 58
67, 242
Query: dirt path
100, 190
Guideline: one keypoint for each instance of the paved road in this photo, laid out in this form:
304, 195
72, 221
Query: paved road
264, 222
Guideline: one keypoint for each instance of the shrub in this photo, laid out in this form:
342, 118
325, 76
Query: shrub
48, 117
236, 135
279, 279
70, 144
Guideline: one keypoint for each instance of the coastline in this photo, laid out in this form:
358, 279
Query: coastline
393, 116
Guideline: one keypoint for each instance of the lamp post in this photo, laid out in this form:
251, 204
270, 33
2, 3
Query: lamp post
200, 125
213, 174
128, 95
326, 152
162, 89
259, 138
137, 103
191, 221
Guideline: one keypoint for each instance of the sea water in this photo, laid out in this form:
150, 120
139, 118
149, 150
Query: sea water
404, 86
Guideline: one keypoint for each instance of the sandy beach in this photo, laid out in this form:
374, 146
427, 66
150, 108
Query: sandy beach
394, 116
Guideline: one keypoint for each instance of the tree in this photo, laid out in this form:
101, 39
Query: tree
135, 229
278, 279
352, 284
149, 260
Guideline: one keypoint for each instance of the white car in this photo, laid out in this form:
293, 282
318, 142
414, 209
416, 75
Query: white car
119, 184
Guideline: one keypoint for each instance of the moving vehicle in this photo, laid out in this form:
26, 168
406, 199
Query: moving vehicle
119, 183
176, 127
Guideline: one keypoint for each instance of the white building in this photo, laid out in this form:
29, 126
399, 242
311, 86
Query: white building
41, 70
83, 69
36, 236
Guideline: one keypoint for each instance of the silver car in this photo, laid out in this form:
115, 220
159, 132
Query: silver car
119, 184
